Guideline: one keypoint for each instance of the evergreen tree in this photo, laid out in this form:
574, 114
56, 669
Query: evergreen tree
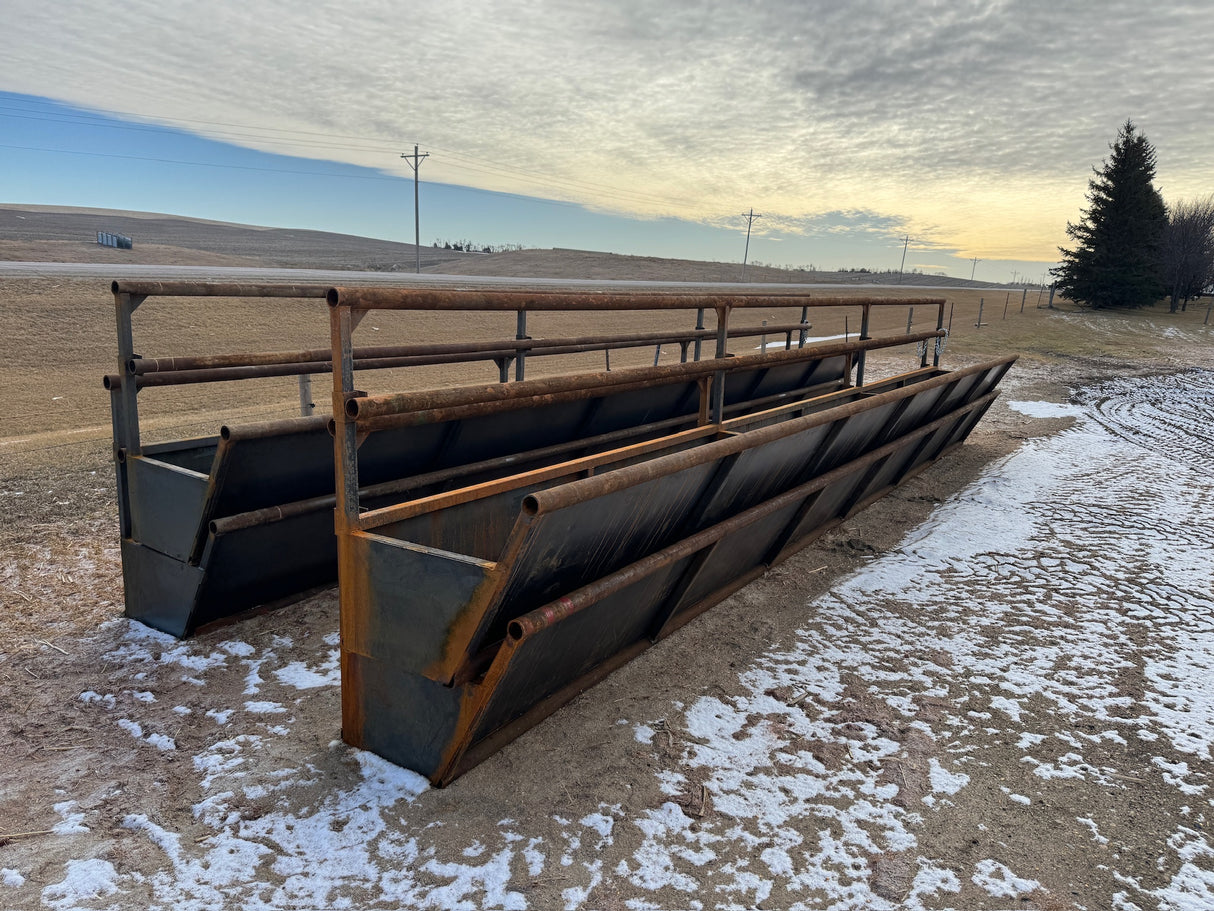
1118, 255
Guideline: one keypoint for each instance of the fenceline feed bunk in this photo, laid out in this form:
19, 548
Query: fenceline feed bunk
500, 547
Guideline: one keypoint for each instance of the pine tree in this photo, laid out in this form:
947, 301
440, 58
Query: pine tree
1118, 255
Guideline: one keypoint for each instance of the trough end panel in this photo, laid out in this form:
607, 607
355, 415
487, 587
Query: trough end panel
413, 606
404, 717
166, 505
161, 592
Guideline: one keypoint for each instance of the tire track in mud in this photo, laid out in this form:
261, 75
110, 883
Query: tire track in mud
1170, 415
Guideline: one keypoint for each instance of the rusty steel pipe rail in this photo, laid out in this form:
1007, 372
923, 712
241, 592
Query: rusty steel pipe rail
272, 514
299, 507
365, 408
362, 299
142, 366
217, 289
156, 372
474, 409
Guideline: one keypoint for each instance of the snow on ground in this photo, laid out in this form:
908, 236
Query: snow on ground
1067, 594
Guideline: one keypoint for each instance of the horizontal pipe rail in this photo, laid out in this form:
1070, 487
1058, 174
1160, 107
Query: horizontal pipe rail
272, 514
369, 407
185, 368
217, 289
491, 300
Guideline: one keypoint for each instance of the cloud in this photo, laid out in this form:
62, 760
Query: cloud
971, 124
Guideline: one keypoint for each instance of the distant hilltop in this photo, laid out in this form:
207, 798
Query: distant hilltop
30, 233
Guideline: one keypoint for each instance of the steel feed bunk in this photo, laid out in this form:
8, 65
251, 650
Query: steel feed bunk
469, 615
501, 547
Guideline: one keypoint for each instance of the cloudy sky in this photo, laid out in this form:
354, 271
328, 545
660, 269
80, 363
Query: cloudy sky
970, 125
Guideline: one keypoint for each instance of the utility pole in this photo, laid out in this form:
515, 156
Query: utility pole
905, 244
974, 268
415, 164
750, 220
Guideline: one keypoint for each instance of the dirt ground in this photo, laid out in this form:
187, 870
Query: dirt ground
142, 772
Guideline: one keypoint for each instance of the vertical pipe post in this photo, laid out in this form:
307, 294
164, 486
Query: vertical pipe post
124, 407
345, 515
763, 339
125, 305
607, 355
936, 347
910, 317
864, 313
519, 335
306, 405
981, 303
699, 327
1023, 297
1005, 303
717, 411
345, 436
657, 355
804, 327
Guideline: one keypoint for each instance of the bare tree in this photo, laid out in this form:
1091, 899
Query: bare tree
1188, 250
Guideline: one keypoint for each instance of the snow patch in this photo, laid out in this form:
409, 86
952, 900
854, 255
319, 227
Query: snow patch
999, 881
264, 708
84, 880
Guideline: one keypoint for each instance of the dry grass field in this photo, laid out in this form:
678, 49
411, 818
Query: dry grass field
141, 772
